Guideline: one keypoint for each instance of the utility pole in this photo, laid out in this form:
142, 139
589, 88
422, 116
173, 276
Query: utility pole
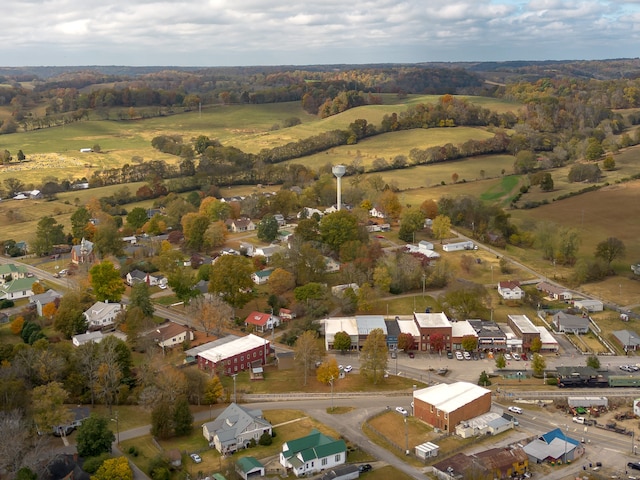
117, 427
331, 382
406, 436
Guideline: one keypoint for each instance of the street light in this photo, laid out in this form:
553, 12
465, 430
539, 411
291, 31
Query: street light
117, 427
406, 436
162, 340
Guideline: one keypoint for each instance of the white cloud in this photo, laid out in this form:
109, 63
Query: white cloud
253, 32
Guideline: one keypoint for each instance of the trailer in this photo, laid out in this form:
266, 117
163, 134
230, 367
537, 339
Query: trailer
455, 247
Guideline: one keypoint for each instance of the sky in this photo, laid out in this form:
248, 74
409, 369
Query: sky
312, 32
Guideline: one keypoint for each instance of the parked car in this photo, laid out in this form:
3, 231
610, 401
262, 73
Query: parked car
633, 465
364, 468
516, 356
507, 356
467, 355
459, 356
411, 355
513, 409
196, 458
579, 420
449, 354
626, 368
482, 356
524, 356
348, 368
401, 411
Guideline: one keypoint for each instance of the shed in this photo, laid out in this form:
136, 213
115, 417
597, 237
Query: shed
249, 467
427, 450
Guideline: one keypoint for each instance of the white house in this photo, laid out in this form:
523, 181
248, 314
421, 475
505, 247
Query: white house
312, 454
42, 299
510, 290
261, 277
102, 314
18, 288
234, 429
376, 213
330, 265
262, 322
240, 225
81, 339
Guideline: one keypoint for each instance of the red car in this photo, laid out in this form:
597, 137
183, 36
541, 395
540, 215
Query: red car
411, 355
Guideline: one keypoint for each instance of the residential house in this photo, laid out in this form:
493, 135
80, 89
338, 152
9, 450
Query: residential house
15, 289
10, 272
330, 265
78, 414
308, 212
81, 339
267, 252
249, 467
170, 334
338, 290
231, 354
240, 225
262, 322
576, 324
424, 246
151, 279
376, 213
627, 339
341, 472
136, 276
102, 315
83, 253
42, 299
280, 219
588, 305
493, 464
285, 314
235, 428
312, 454
554, 292
435, 325
261, 277
510, 290
446, 405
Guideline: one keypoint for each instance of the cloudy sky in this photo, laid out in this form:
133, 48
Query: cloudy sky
305, 32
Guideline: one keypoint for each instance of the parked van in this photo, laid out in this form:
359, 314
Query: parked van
579, 420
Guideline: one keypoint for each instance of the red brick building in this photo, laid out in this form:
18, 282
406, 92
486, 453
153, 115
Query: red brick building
445, 405
431, 324
236, 355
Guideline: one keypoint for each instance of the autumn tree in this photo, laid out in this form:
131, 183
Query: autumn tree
412, 221
429, 208
106, 282
328, 371
16, 325
231, 278
501, 362
114, 469
37, 288
373, 357
536, 345
441, 227
213, 390
406, 342
342, 341
437, 342
49, 409
338, 228
181, 281
307, 352
469, 343
211, 313
281, 281
390, 204
610, 249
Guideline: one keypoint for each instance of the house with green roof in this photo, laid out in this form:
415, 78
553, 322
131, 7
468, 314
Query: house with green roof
314, 453
18, 288
9, 272
249, 467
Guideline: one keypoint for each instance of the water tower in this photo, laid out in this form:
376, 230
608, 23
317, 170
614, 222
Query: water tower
339, 171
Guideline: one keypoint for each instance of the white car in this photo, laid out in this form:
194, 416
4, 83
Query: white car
515, 409
507, 356
401, 411
516, 356
459, 356
348, 368
196, 458
467, 355
579, 420
340, 368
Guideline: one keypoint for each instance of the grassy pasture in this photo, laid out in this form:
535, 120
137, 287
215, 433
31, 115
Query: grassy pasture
391, 144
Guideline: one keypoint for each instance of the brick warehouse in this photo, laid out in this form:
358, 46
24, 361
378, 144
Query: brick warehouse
445, 405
